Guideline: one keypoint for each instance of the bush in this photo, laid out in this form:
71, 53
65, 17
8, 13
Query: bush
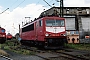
79, 46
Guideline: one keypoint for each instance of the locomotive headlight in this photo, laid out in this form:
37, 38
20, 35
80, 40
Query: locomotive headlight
3, 35
64, 34
46, 34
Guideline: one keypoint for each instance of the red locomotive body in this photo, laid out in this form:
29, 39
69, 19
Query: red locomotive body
47, 31
9, 36
2, 35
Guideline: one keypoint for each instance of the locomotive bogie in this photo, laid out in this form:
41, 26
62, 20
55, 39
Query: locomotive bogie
2, 40
55, 42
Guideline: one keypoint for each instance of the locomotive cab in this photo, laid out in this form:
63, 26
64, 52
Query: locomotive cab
55, 32
9, 36
50, 31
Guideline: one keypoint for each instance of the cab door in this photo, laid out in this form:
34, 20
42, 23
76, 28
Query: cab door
39, 30
36, 26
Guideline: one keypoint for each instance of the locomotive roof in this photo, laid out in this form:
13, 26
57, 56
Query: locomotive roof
53, 16
9, 34
29, 23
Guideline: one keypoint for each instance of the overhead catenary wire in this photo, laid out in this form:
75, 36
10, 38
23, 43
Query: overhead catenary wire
38, 2
45, 6
50, 1
20, 3
14, 3
47, 3
4, 10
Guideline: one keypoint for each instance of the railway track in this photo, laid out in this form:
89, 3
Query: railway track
70, 56
56, 54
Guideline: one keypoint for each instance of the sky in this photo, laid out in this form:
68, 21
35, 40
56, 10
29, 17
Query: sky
19, 9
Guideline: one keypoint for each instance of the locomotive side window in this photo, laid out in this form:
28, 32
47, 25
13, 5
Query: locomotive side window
40, 22
28, 28
54, 22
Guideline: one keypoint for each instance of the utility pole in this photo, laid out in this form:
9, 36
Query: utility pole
19, 28
61, 7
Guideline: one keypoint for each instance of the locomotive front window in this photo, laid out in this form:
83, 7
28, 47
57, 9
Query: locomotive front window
55, 23
3, 31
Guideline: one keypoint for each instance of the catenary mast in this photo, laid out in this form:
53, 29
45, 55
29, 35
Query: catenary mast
61, 8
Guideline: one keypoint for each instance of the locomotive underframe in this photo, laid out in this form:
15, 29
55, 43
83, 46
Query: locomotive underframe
2, 40
49, 42
55, 41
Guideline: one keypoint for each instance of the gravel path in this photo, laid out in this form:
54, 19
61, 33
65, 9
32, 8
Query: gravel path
16, 56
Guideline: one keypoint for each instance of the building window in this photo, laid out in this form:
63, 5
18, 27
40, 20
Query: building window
87, 10
67, 11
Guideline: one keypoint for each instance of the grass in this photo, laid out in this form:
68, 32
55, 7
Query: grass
14, 46
79, 46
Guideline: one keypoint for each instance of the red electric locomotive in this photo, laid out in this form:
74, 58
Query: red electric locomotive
2, 35
46, 31
9, 36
